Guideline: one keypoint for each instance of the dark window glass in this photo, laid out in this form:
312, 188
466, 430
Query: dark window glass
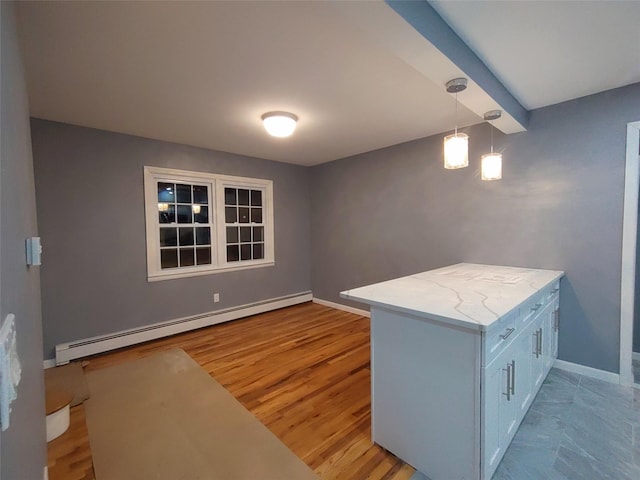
166, 192
245, 234
230, 214
168, 237
233, 253
200, 194
256, 198
243, 214
186, 245
243, 196
166, 213
203, 256
230, 196
200, 214
184, 214
183, 193
187, 257
203, 236
186, 237
169, 258
256, 215
232, 234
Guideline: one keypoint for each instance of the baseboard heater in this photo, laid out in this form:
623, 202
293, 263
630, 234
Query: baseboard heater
66, 352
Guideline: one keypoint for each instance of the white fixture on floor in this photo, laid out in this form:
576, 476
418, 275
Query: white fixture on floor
57, 409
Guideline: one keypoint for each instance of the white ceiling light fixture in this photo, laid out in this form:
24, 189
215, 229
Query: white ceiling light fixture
456, 146
279, 124
491, 166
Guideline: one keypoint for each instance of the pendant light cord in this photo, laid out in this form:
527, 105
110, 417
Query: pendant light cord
456, 116
491, 123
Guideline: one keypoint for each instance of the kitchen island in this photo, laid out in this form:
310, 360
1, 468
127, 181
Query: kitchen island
457, 357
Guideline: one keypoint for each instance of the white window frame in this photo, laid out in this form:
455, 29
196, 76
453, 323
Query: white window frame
217, 184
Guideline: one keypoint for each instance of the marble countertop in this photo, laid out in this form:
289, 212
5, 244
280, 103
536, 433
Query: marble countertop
469, 295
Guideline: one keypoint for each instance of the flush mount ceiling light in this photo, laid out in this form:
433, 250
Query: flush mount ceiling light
456, 146
491, 168
279, 124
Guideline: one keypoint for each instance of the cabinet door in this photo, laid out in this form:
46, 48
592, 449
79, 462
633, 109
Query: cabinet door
499, 410
553, 326
524, 384
542, 341
492, 399
509, 405
535, 351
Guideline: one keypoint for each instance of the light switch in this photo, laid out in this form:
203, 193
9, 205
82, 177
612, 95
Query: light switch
34, 251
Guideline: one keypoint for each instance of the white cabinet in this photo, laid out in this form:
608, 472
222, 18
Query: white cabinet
538, 333
552, 327
511, 381
523, 395
494, 386
500, 407
457, 357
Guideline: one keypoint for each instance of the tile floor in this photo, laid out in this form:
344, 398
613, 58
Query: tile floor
576, 428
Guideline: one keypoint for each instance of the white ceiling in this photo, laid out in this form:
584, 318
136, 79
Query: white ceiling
547, 52
356, 74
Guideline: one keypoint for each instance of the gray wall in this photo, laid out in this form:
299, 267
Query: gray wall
23, 445
396, 211
91, 218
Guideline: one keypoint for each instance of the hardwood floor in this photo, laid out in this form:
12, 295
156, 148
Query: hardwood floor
303, 371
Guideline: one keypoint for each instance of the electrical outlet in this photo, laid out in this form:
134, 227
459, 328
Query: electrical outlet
216, 297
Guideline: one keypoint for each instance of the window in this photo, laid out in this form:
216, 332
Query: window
243, 213
202, 223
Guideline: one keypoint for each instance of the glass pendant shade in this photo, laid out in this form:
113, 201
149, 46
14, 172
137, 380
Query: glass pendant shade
491, 166
456, 151
279, 124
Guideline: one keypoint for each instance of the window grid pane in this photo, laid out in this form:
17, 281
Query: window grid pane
244, 224
203, 255
186, 205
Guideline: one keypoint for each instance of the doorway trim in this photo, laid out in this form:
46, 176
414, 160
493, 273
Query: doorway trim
629, 239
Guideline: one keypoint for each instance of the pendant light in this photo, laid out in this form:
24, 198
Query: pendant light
491, 166
456, 146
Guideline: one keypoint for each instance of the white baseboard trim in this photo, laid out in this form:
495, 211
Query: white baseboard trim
103, 343
635, 356
49, 363
339, 306
587, 371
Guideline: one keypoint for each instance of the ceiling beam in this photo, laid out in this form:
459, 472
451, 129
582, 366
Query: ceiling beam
428, 23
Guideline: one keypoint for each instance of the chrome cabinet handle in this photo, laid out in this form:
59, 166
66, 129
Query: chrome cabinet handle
556, 320
539, 343
508, 370
508, 332
536, 307
513, 377
536, 351
554, 291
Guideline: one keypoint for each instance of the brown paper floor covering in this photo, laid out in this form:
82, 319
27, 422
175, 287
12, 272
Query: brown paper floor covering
68, 378
163, 417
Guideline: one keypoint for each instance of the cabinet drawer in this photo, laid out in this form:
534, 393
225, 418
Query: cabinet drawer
500, 336
536, 303
531, 308
552, 291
